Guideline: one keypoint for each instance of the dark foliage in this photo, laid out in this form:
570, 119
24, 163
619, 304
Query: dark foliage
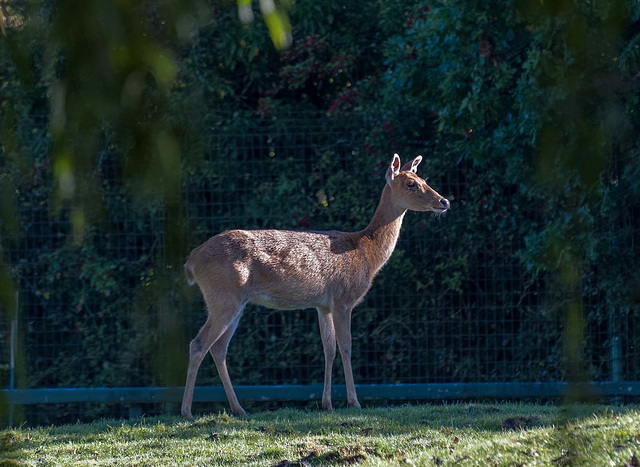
126, 142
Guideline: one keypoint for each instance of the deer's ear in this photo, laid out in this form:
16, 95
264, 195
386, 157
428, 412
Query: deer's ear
412, 166
394, 169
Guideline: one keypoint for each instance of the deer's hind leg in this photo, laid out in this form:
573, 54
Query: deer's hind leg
223, 316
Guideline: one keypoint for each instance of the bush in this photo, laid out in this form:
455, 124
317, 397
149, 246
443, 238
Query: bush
526, 114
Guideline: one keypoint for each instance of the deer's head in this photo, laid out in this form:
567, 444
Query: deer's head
411, 192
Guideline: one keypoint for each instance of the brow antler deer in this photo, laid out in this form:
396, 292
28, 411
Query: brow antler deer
286, 270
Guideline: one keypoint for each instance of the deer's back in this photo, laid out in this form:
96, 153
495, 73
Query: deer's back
283, 269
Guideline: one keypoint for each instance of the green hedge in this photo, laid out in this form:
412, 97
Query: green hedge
526, 113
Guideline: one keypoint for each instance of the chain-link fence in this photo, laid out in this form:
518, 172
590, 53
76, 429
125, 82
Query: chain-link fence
454, 304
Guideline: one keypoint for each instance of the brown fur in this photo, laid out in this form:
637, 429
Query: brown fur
285, 270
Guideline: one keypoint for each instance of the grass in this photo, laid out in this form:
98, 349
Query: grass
471, 434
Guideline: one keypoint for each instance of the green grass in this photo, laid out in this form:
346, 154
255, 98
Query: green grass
475, 434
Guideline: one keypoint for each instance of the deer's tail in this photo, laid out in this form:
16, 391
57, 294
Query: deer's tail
188, 271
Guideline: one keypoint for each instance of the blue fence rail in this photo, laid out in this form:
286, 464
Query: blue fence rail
416, 392
132, 397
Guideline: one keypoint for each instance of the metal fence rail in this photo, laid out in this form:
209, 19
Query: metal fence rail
475, 326
312, 392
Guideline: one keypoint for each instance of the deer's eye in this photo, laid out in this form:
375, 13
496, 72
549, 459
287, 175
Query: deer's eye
411, 185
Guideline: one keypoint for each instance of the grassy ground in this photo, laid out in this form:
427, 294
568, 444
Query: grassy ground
478, 434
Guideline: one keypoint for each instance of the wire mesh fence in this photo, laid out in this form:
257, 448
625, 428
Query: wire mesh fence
112, 312
5, 350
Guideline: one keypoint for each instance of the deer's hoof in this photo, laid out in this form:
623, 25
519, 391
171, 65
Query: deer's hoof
239, 412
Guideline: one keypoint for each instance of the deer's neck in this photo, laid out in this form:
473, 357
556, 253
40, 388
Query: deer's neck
380, 236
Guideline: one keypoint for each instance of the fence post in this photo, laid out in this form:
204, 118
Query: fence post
13, 350
135, 411
615, 349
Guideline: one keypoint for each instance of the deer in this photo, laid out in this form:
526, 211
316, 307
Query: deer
330, 271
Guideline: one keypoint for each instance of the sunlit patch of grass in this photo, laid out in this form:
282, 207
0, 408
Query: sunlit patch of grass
464, 434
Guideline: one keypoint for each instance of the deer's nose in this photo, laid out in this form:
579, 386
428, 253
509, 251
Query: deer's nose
445, 203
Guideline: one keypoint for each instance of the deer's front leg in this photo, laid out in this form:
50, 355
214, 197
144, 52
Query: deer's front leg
219, 353
342, 319
327, 332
